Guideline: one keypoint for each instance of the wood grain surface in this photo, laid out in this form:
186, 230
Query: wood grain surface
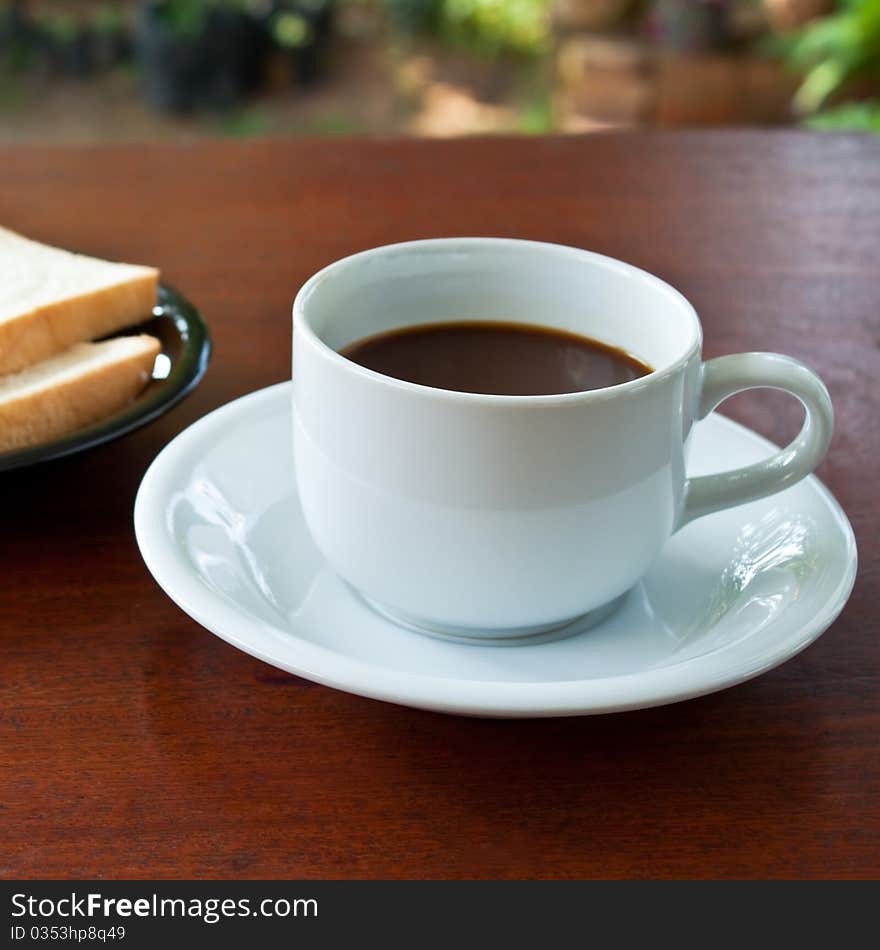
135, 744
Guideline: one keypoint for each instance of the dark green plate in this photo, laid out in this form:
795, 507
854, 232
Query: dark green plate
186, 347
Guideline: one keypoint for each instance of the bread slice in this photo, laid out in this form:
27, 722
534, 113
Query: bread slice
82, 385
51, 299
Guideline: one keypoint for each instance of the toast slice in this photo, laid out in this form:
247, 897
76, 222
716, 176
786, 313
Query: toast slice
82, 385
51, 299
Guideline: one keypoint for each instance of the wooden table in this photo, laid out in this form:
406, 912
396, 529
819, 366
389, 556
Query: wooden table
135, 744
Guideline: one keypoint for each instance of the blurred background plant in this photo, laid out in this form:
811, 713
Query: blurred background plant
840, 57
140, 69
485, 27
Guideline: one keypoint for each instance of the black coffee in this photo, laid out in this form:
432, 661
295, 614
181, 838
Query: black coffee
512, 359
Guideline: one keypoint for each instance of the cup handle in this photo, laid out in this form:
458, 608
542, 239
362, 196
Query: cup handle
727, 375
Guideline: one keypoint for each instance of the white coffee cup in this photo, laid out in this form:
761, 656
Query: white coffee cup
487, 516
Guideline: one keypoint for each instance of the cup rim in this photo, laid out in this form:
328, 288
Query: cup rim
303, 325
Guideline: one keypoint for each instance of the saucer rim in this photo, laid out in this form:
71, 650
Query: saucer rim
675, 682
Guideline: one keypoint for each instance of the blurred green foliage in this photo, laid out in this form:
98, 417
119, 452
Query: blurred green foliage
496, 26
537, 116
184, 17
243, 123
833, 52
291, 30
487, 27
187, 17
108, 17
414, 16
61, 27
850, 117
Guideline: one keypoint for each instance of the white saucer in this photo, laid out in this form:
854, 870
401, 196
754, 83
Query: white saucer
732, 595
